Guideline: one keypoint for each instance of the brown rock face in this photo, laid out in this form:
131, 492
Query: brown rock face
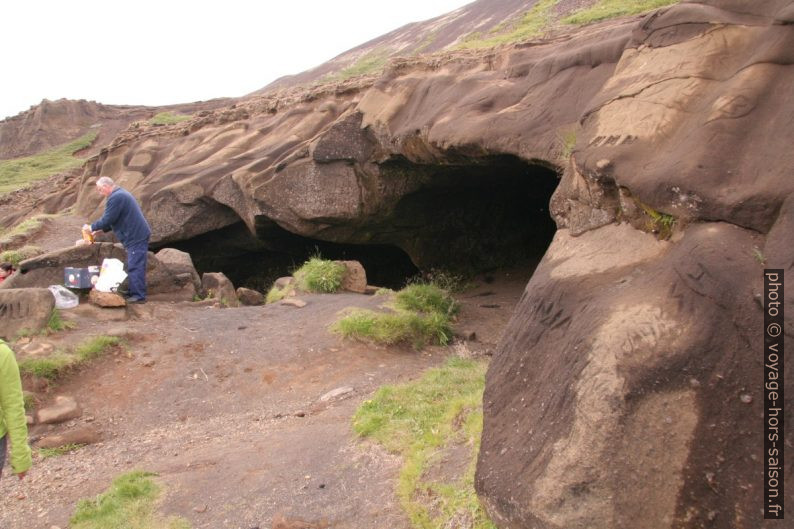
627, 390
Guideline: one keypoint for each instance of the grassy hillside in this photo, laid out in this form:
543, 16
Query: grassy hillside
19, 172
543, 17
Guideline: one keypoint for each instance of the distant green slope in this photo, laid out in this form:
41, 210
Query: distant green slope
19, 172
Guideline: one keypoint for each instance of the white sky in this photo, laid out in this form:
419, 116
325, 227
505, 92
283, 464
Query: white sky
175, 51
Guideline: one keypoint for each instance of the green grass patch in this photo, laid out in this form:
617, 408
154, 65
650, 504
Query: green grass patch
389, 328
422, 314
50, 367
531, 24
129, 503
319, 275
56, 365
369, 63
19, 172
606, 9
418, 420
168, 118
25, 227
20, 254
45, 453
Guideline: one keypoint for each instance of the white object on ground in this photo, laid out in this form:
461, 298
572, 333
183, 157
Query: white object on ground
110, 275
64, 298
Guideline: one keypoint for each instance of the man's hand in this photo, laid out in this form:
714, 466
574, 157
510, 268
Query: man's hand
22, 475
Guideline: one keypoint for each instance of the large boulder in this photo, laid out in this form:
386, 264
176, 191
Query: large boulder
215, 285
24, 309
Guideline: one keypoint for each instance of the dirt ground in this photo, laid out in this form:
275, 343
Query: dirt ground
224, 404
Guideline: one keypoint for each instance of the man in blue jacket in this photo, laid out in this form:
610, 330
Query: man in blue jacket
124, 217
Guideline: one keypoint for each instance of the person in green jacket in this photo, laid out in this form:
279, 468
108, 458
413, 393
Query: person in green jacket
13, 425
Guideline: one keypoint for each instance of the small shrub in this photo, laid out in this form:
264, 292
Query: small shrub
168, 118
320, 275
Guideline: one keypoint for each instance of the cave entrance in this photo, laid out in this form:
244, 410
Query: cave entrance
253, 263
467, 216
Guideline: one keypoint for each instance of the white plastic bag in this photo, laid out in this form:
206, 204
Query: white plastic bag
110, 275
64, 298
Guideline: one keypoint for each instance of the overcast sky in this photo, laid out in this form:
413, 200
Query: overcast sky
174, 51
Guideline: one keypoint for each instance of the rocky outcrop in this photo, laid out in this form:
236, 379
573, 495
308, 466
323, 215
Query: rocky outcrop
53, 123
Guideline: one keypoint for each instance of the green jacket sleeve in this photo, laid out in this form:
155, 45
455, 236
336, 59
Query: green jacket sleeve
12, 411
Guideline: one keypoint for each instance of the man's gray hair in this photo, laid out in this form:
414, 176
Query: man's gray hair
105, 181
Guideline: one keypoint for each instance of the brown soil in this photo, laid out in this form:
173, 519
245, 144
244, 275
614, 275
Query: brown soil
223, 403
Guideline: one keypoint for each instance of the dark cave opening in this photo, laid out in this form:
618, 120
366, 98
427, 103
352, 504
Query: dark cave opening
467, 217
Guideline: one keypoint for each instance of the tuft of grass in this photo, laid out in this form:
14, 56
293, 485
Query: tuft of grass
418, 420
423, 313
426, 297
20, 254
95, 347
659, 223
319, 275
56, 323
759, 255
19, 172
168, 118
29, 400
567, 141
606, 9
277, 294
45, 453
129, 503
56, 365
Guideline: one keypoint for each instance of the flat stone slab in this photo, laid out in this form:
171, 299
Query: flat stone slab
65, 408
83, 435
